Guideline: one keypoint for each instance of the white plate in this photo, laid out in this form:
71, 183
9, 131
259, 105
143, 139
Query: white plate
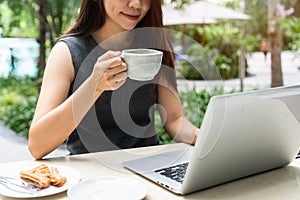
108, 188
72, 175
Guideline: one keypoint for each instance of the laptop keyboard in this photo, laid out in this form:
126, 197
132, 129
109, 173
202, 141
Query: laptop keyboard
175, 172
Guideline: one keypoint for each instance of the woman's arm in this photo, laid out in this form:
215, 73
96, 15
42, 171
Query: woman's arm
176, 124
56, 117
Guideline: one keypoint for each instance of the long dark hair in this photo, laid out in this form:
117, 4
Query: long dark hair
92, 17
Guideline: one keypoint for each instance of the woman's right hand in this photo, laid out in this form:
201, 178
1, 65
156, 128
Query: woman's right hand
109, 73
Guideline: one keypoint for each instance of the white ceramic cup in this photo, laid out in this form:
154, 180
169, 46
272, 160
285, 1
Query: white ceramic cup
143, 64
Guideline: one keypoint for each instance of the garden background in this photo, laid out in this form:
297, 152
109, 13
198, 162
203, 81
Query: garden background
44, 20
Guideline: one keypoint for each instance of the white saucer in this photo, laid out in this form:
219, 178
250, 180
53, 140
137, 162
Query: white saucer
108, 188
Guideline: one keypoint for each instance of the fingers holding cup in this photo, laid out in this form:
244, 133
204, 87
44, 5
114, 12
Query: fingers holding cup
118, 75
109, 73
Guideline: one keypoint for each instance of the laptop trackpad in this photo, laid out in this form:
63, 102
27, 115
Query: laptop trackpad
160, 160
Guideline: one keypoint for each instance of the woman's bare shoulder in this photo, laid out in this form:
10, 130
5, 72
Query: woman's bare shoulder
60, 60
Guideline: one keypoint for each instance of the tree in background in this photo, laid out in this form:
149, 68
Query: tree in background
275, 38
297, 9
276, 10
47, 17
265, 23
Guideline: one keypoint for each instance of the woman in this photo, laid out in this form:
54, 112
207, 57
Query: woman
85, 79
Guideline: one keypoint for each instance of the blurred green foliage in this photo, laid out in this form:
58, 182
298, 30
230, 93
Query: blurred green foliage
194, 104
18, 96
291, 29
20, 18
220, 49
222, 41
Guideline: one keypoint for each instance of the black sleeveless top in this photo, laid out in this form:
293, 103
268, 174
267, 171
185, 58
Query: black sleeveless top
119, 119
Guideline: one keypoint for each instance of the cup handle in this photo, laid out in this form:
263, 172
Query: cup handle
122, 57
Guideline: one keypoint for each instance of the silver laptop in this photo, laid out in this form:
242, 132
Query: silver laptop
242, 134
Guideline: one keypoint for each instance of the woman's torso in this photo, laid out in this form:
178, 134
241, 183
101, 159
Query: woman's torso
119, 119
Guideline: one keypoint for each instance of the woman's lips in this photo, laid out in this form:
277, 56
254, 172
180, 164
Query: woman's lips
131, 17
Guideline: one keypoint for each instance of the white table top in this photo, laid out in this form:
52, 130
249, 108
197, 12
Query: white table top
282, 183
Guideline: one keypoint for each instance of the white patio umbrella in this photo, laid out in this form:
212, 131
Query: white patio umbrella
172, 16
204, 8
199, 12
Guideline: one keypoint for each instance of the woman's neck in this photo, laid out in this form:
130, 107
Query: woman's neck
111, 39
